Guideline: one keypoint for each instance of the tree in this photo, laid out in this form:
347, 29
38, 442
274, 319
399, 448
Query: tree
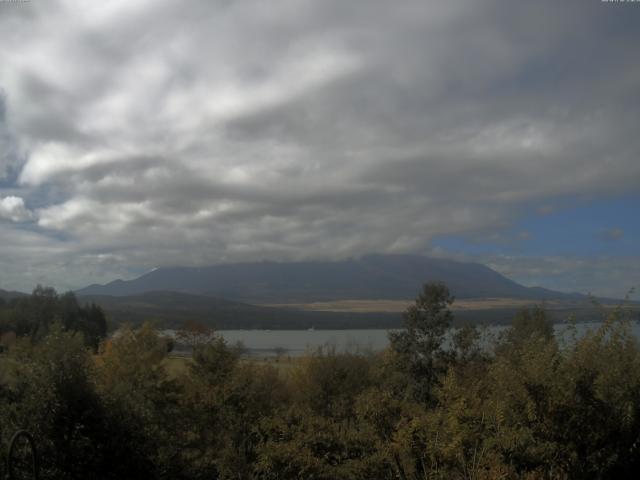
42, 310
214, 361
529, 323
95, 325
53, 396
322, 435
143, 403
418, 347
193, 334
33, 316
88, 320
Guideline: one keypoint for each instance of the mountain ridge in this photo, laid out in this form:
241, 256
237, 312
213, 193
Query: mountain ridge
375, 276
7, 295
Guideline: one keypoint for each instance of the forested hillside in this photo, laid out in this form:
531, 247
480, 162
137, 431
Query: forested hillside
523, 405
172, 309
33, 316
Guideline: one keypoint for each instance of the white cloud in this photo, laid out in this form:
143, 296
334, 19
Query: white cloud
13, 208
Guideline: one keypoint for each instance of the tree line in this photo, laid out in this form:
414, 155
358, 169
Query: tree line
33, 316
436, 404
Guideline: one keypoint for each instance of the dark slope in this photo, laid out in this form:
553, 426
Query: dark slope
172, 309
370, 277
10, 295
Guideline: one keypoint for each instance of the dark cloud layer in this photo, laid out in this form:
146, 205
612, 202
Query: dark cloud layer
161, 132
10, 157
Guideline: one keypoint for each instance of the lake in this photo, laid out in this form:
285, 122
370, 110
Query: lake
297, 342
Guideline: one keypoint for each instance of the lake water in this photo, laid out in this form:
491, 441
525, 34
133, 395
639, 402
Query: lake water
297, 342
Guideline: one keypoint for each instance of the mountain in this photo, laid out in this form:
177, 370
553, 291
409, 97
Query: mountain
10, 295
369, 277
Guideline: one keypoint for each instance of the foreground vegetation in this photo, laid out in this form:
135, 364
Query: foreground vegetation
528, 405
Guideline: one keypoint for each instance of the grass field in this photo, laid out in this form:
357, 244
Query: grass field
176, 365
392, 306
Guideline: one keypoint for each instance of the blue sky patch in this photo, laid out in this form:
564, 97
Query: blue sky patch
571, 227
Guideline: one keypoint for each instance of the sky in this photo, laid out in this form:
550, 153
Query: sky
140, 134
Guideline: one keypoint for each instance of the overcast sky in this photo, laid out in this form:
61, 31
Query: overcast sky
136, 134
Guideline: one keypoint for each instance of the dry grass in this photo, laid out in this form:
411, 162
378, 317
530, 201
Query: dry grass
363, 306
392, 306
284, 364
176, 365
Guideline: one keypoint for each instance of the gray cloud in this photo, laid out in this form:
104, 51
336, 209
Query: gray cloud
159, 133
10, 157
602, 275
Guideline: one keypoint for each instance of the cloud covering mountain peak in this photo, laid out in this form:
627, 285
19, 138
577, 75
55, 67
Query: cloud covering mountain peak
158, 133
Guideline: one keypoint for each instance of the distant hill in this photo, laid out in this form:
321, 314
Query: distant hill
172, 309
370, 277
9, 295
